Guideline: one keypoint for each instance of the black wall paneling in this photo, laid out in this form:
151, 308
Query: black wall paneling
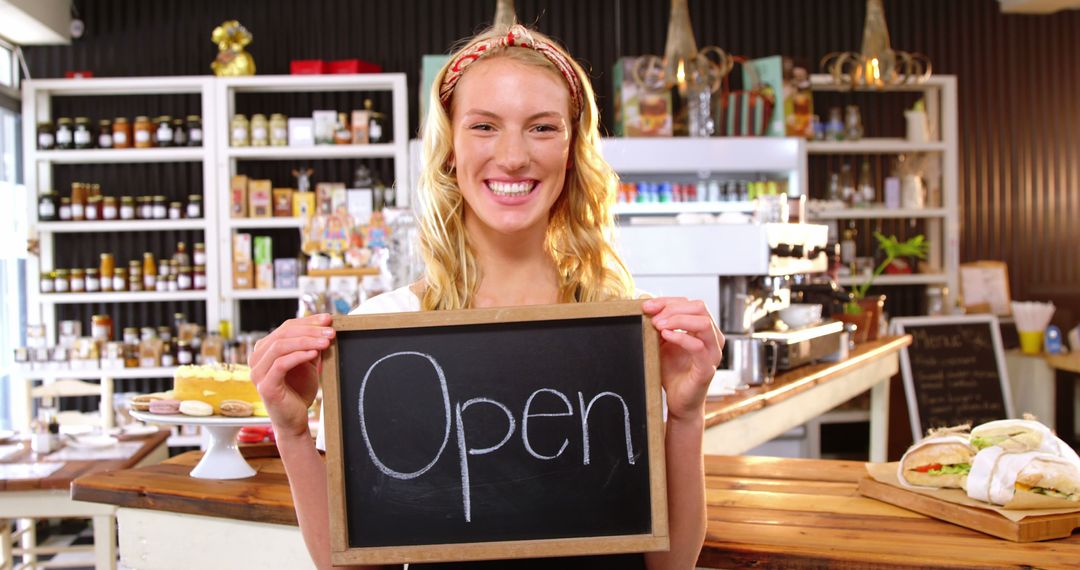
1018, 82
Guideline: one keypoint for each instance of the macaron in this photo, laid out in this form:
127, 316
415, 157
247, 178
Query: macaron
164, 407
196, 408
236, 408
141, 403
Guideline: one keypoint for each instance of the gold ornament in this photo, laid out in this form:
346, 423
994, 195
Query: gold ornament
878, 65
232, 60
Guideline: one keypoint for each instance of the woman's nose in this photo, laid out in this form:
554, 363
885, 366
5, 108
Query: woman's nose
511, 153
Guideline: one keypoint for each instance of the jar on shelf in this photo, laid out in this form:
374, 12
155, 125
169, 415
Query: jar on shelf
78, 281
48, 282
93, 280
84, 139
149, 271
105, 134
46, 135
176, 210
198, 256
145, 209
121, 133
107, 266
64, 214
61, 281
78, 201
171, 284
127, 208
180, 256
108, 208
184, 354
376, 124
198, 278
238, 131
164, 333
160, 209
131, 347
101, 328
194, 206
93, 189
279, 130
184, 278
179, 132
120, 279
194, 130
260, 130
163, 131
135, 276
93, 208
47, 207
162, 283
64, 134
143, 131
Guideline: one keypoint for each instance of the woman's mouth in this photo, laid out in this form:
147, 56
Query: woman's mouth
511, 189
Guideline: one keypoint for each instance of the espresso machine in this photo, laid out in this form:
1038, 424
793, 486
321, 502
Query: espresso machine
744, 272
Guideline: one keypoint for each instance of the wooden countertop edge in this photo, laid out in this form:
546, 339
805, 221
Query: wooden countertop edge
1064, 362
731, 407
62, 479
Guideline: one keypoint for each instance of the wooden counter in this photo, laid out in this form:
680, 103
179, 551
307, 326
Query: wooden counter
763, 512
746, 419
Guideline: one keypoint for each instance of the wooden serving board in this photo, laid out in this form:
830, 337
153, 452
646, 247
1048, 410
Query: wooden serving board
1029, 529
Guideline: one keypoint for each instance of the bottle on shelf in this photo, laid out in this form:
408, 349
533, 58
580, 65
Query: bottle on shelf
342, 133
64, 134
121, 133
143, 131
83, 138
194, 130
105, 133
260, 130
848, 248
376, 123
847, 184
866, 192
46, 135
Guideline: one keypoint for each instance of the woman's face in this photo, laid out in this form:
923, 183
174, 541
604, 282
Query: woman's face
511, 144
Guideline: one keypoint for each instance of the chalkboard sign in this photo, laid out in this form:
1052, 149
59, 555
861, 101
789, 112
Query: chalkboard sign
495, 433
954, 371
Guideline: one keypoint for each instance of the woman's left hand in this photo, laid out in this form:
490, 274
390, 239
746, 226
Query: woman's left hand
690, 349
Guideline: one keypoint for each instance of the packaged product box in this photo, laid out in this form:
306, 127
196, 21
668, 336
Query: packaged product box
360, 119
324, 122
338, 198
324, 204
264, 275
238, 196
283, 202
260, 199
286, 271
303, 204
264, 250
793, 106
243, 274
360, 201
241, 247
639, 112
301, 131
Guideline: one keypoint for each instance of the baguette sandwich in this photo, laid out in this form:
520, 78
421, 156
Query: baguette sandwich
1029, 480
939, 462
1018, 436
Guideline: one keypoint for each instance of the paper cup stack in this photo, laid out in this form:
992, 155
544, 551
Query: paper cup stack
1031, 320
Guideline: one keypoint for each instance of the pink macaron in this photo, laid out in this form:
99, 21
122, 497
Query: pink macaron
165, 407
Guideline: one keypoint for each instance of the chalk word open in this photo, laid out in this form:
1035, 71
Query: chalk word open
456, 423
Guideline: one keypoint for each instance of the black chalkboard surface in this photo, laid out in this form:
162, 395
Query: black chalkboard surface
494, 433
954, 371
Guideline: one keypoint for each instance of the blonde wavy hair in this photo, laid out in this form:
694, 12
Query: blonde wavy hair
580, 226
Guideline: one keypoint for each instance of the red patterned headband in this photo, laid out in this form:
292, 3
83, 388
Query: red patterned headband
517, 36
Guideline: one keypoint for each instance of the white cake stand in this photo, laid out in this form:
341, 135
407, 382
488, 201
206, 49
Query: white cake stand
222, 459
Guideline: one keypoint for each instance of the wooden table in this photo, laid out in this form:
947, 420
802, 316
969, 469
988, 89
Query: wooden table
742, 421
49, 496
763, 512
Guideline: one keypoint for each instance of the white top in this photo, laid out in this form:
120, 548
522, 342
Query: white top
401, 300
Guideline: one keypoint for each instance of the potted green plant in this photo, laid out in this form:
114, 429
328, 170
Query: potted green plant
860, 305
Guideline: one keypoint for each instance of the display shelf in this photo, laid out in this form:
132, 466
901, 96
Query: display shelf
672, 208
266, 223
260, 294
156, 372
383, 150
122, 226
644, 155
126, 155
910, 279
876, 213
873, 146
122, 297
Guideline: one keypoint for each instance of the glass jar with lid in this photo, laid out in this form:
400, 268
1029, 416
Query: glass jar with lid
101, 328
160, 209
238, 131
135, 276
64, 134
184, 353
65, 209
194, 130
149, 271
78, 201
176, 210
78, 281
120, 279
127, 208
47, 207
61, 281
108, 208
84, 139
184, 278
48, 282
260, 130
279, 130
46, 135
198, 255
145, 209
198, 278
107, 265
93, 280
163, 134
93, 208
121, 133
194, 206
179, 136
143, 131
105, 134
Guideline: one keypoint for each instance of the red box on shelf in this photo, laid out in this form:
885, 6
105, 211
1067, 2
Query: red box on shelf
307, 66
353, 66
81, 74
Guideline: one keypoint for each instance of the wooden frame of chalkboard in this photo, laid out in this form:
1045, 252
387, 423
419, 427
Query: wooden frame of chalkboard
969, 336
583, 348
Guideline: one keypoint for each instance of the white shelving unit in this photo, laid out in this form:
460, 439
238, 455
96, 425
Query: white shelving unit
942, 220
37, 98
228, 161
158, 372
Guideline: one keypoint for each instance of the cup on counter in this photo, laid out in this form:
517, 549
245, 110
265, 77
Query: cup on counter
1031, 342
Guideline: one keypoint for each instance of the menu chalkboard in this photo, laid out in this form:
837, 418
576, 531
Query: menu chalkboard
494, 433
954, 371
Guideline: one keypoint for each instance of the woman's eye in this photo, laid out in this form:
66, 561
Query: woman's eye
546, 129
482, 127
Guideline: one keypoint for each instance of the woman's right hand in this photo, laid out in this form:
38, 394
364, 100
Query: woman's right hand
284, 368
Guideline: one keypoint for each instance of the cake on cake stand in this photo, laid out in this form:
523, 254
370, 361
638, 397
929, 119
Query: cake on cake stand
222, 459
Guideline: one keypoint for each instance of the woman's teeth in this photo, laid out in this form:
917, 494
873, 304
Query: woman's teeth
511, 189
